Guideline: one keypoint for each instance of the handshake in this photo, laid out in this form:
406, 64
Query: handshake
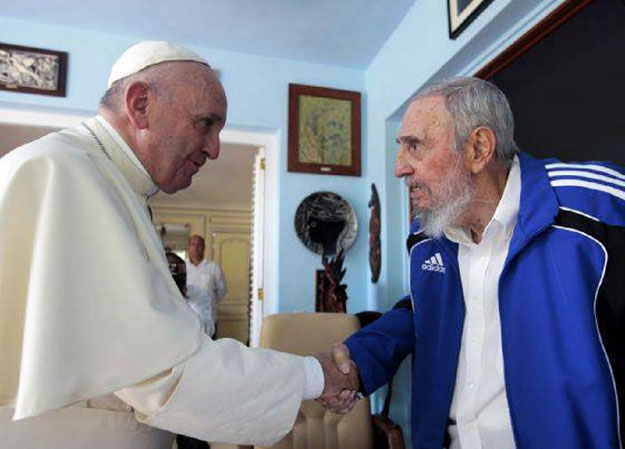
341, 380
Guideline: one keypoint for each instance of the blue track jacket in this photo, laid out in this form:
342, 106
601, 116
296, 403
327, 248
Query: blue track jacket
562, 309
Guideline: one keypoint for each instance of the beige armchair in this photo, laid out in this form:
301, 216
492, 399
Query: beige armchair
316, 428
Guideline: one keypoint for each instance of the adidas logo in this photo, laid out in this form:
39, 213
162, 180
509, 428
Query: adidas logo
434, 263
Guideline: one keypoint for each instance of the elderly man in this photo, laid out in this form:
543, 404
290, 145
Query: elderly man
516, 309
98, 349
206, 284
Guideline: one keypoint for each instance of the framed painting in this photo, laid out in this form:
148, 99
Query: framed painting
32, 70
324, 130
462, 13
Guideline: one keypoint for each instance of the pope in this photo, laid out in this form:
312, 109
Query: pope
98, 348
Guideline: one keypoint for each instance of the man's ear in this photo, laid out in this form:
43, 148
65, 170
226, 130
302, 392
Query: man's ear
480, 148
136, 101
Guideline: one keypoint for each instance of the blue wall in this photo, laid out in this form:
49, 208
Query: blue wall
257, 90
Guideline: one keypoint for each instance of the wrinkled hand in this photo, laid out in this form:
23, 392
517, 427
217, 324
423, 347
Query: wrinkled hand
341, 380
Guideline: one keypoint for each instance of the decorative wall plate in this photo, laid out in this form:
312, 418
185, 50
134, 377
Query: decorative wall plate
326, 220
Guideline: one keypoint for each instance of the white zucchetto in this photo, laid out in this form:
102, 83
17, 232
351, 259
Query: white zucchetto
147, 53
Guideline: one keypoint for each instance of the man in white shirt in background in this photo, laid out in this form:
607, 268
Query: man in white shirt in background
207, 277
200, 303
98, 349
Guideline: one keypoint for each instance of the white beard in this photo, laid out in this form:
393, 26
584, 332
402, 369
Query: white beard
456, 192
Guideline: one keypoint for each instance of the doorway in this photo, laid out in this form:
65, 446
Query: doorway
218, 208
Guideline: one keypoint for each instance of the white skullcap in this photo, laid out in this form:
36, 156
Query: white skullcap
147, 53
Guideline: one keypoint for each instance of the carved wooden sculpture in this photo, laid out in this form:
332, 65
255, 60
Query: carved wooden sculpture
375, 254
333, 293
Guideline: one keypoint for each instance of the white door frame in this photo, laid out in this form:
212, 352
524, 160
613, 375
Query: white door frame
258, 243
269, 141
16, 114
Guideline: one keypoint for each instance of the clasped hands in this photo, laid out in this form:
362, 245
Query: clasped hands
341, 380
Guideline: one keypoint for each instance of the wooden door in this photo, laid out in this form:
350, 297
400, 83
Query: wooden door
232, 251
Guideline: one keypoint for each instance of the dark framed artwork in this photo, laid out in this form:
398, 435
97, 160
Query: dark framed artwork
324, 130
462, 13
32, 70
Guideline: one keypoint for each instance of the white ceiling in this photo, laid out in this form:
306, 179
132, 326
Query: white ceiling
223, 183
345, 33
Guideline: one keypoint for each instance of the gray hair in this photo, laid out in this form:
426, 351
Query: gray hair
113, 97
473, 102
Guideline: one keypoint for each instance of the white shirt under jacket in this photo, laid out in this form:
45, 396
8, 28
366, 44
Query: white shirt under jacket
480, 406
96, 338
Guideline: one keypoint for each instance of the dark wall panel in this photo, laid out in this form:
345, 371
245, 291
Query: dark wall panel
568, 91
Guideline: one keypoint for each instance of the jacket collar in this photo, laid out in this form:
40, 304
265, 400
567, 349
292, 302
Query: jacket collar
539, 205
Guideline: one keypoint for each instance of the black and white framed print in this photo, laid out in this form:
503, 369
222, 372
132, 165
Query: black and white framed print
462, 13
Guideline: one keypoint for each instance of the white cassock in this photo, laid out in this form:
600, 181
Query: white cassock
89, 315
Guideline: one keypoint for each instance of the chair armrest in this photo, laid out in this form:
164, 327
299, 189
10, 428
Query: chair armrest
386, 434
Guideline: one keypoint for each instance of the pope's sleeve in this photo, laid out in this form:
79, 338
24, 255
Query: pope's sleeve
226, 392
379, 349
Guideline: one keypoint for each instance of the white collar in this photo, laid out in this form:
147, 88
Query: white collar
508, 209
121, 142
